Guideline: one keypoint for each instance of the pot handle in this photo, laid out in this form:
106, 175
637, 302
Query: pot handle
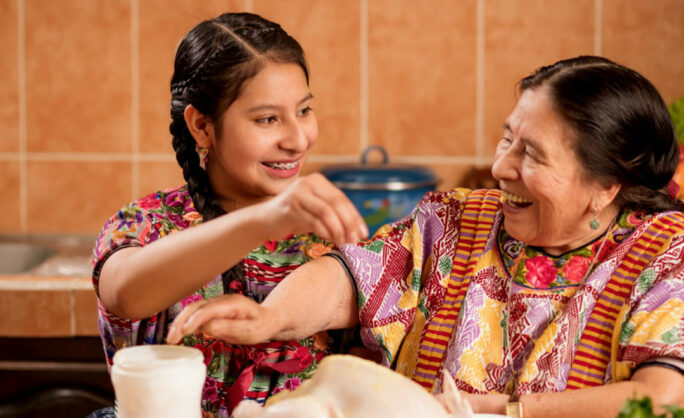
371, 148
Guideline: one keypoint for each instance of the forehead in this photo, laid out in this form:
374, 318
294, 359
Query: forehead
275, 83
534, 119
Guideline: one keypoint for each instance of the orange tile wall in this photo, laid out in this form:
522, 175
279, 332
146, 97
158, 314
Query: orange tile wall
84, 86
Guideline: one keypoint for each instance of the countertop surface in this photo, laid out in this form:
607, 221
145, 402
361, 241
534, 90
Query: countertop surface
53, 297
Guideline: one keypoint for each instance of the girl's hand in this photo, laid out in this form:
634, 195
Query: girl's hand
314, 204
232, 318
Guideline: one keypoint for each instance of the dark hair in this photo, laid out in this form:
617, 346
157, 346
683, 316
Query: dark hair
623, 131
212, 64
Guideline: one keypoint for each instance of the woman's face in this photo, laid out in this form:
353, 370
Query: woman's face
547, 201
264, 137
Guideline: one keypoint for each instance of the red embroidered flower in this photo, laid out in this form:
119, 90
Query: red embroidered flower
575, 269
304, 356
149, 203
271, 245
540, 271
292, 383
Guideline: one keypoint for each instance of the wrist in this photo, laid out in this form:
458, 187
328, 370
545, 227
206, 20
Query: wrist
514, 406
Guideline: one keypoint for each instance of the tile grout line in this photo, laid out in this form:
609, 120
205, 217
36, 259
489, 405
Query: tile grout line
135, 100
480, 81
72, 308
23, 169
363, 69
598, 27
85, 156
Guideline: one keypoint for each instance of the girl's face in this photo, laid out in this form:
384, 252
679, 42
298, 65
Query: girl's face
548, 201
263, 138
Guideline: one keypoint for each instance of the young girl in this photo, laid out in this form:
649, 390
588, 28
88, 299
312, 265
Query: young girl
242, 127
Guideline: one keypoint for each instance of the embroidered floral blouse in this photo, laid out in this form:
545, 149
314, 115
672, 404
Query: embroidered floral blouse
447, 288
233, 372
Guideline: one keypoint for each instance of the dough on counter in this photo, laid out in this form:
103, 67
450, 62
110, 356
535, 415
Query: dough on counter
351, 387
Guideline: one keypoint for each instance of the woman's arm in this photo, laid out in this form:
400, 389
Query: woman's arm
139, 282
317, 296
662, 385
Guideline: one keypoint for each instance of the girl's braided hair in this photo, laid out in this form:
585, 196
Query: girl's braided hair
212, 64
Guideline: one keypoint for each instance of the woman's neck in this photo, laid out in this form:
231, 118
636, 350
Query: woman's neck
606, 219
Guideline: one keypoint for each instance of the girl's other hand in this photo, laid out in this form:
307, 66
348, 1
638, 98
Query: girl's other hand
232, 318
314, 204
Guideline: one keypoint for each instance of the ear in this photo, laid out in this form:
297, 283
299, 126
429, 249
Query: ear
604, 195
200, 126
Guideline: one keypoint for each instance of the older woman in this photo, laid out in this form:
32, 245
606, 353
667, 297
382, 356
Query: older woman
561, 293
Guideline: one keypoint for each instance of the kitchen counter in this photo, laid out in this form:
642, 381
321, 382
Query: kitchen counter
51, 357
54, 298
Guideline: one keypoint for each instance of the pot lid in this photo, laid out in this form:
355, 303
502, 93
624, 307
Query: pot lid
379, 176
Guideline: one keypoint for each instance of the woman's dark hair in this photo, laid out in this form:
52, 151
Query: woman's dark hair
212, 64
623, 131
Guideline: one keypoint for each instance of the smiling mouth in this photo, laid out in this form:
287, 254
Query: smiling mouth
516, 201
282, 166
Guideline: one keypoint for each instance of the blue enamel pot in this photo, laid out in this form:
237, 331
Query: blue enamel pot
382, 192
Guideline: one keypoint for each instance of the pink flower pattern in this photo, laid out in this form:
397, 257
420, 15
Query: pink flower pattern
540, 271
575, 269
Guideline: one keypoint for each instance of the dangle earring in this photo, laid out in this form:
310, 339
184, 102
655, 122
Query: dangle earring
202, 154
594, 222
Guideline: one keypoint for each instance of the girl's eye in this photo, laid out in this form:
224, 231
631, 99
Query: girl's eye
305, 111
268, 120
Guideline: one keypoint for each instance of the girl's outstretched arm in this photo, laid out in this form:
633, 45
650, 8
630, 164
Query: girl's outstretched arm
317, 296
137, 282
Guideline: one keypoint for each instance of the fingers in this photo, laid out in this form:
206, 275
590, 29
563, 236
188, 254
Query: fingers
353, 225
334, 216
228, 308
234, 331
451, 398
175, 331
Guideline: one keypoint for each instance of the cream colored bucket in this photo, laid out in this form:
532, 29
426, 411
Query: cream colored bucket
158, 381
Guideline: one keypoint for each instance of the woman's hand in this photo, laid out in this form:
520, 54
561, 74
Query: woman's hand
232, 318
491, 403
314, 204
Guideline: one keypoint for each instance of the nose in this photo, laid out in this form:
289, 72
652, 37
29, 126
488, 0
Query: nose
506, 164
296, 138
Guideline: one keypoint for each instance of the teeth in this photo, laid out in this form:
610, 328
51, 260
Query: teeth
283, 166
515, 198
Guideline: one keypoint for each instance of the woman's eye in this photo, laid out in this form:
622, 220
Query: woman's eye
305, 111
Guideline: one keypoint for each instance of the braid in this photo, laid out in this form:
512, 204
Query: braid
198, 182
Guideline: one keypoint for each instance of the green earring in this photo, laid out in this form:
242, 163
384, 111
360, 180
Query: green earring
594, 222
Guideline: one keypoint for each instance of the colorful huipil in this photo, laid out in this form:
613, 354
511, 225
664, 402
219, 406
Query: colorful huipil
234, 372
448, 288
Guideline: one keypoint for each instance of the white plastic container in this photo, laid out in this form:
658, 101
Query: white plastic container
158, 381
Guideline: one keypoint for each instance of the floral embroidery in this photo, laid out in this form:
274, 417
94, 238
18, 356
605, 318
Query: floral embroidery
532, 267
317, 249
540, 271
575, 268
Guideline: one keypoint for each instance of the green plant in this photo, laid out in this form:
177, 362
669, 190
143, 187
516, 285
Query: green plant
676, 109
643, 408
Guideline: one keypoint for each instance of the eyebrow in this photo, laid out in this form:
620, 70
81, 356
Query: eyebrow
267, 106
530, 142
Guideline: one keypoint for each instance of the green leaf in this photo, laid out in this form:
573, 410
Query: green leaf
676, 109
